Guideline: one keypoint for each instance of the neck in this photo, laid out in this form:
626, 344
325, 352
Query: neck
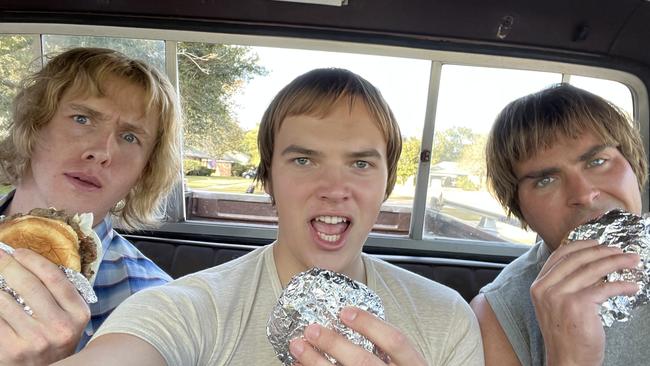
22, 202
287, 266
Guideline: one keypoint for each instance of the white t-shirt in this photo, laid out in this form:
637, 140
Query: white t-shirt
218, 316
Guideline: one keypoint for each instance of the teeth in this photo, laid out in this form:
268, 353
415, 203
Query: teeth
331, 219
330, 238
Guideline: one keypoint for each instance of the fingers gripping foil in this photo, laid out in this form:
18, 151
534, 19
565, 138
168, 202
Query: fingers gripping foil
630, 233
317, 296
78, 280
9, 250
81, 283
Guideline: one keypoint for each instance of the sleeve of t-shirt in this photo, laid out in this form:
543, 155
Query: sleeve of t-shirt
171, 318
464, 346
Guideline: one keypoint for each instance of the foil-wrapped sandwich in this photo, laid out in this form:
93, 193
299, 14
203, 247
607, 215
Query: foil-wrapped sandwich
631, 233
317, 296
66, 240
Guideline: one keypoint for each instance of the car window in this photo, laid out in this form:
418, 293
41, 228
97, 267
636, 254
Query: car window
445, 104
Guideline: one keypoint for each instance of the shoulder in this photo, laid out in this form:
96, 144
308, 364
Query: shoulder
397, 279
497, 348
436, 318
119, 247
520, 272
436, 305
204, 292
219, 282
243, 267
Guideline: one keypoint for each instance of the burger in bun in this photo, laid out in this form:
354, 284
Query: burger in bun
66, 240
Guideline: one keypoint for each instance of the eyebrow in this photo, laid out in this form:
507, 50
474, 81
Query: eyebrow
94, 114
588, 155
370, 153
87, 110
592, 152
295, 149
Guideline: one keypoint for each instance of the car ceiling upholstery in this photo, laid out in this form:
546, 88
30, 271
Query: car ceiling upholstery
605, 27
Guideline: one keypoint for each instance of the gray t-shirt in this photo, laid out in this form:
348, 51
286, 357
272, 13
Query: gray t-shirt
218, 316
509, 296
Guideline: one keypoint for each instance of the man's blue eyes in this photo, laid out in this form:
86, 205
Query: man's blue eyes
130, 138
360, 164
80, 119
544, 181
84, 120
596, 162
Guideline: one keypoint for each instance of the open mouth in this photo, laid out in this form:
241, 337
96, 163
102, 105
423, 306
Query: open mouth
330, 228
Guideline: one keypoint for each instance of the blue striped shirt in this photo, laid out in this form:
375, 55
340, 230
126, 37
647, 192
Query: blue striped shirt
122, 272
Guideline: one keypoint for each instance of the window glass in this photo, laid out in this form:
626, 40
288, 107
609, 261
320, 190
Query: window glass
151, 51
225, 90
16, 56
613, 91
458, 202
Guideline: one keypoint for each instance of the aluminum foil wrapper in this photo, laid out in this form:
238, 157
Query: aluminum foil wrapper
317, 296
631, 233
81, 283
78, 280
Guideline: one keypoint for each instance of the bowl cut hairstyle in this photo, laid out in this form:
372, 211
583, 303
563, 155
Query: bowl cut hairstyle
533, 123
314, 94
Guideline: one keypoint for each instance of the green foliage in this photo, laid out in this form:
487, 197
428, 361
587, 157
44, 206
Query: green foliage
409, 160
462, 145
201, 171
472, 158
150, 51
466, 184
249, 145
210, 75
190, 165
237, 169
448, 144
15, 57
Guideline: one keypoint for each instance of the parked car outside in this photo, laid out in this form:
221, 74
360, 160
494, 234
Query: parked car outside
250, 173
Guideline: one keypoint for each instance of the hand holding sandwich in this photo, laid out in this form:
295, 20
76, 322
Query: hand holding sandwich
60, 313
42, 314
567, 294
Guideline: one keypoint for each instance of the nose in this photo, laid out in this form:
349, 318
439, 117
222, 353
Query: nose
333, 185
100, 149
582, 192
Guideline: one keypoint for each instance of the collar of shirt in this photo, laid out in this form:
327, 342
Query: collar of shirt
105, 232
5, 201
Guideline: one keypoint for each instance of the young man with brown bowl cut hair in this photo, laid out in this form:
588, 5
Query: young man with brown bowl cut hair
329, 147
557, 159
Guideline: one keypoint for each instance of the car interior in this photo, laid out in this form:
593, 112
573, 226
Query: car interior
445, 67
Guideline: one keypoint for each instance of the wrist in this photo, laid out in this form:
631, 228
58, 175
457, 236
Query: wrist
565, 361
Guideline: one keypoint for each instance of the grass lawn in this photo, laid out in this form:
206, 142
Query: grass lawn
221, 184
239, 185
